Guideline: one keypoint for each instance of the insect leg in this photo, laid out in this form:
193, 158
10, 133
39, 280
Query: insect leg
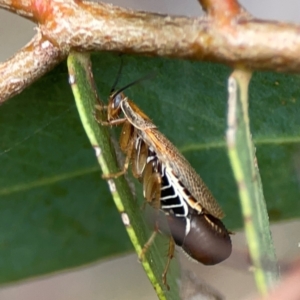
148, 244
112, 122
139, 159
129, 150
151, 186
170, 256
100, 108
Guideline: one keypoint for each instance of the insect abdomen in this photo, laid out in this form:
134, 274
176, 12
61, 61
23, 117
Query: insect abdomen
203, 237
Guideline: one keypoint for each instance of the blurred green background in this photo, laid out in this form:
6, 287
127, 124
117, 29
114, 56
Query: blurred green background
56, 211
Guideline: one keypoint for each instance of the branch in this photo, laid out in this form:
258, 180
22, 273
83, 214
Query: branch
22, 8
27, 65
230, 37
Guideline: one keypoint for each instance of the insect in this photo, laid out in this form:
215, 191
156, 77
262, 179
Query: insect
169, 184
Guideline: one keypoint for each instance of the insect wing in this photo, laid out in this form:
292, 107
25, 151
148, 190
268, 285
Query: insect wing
181, 168
136, 116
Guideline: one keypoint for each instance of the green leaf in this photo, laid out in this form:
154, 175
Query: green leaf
86, 98
245, 169
56, 211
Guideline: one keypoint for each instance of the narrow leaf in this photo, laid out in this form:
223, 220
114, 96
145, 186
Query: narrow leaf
245, 169
82, 84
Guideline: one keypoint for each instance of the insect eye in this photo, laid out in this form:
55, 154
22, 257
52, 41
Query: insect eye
117, 101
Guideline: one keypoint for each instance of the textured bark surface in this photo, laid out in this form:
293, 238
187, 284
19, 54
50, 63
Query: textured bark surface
30, 63
227, 34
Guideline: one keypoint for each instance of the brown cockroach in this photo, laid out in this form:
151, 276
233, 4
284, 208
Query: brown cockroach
169, 184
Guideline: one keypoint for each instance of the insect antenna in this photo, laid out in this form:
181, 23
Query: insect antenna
146, 77
118, 75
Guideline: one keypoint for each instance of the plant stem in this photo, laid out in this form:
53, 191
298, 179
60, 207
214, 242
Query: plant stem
83, 86
245, 168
